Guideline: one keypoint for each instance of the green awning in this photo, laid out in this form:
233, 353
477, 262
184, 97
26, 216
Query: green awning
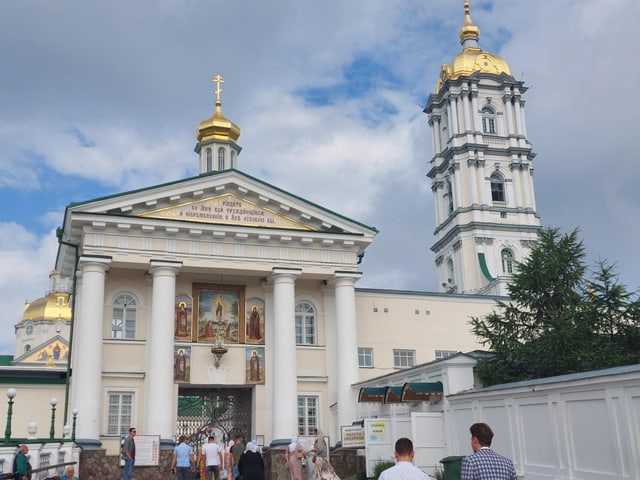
393, 395
372, 394
422, 392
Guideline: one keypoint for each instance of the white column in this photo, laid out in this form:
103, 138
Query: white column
160, 401
87, 350
285, 378
518, 115
347, 340
477, 122
453, 109
466, 113
437, 128
270, 373
508, 113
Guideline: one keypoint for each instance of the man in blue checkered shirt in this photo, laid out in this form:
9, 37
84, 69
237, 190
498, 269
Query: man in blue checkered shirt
485, 464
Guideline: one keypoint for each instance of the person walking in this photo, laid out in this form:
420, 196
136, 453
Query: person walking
293, 455
212, 459
128, 452
21, 464
323, 469
183, 462
237, 450
404, 468
485, 464
251, 464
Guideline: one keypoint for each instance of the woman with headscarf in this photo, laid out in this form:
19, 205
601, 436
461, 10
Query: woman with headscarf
294, 454
251, 464
227, 458
323, 469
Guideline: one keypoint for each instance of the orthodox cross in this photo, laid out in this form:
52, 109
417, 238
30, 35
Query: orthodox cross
218, 80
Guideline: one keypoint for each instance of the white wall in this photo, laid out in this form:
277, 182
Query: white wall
579, 427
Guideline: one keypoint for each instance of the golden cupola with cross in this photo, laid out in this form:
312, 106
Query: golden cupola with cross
217, 138
472, 58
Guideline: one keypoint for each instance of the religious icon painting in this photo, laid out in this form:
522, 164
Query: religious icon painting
181, 364
254, 323
183, 318
255, 365
219, 313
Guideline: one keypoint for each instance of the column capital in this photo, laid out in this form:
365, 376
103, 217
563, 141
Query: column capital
94, 261
285, 272
157, 266
346, 277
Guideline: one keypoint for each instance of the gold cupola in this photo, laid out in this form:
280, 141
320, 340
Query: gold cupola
52, 307
217, 137
472, 58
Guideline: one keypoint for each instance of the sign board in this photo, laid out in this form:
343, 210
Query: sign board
147, 450
352, 435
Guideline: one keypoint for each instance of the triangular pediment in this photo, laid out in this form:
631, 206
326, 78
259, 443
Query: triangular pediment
230, 198
50, 354
227, 208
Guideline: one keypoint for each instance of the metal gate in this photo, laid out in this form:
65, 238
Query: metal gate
223, 412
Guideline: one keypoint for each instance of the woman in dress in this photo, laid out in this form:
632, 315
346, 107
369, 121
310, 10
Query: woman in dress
251, 464
323, 470
294, 454
228, 460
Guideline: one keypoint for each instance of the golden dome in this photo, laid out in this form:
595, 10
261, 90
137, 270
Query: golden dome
472, 58
53, 307
218, 127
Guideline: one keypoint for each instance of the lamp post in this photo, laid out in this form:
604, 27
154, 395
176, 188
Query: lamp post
73, 428
52, 430
11, 393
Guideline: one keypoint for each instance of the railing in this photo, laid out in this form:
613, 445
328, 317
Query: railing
48, 471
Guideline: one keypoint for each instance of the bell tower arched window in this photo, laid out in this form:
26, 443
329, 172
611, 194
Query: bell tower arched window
449, 196
507, 261
489, 120
221, 158
209, 160
497, 187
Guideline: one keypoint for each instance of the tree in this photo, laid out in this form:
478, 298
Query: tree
558, 321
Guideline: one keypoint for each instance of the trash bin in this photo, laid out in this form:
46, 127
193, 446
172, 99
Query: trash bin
452, 466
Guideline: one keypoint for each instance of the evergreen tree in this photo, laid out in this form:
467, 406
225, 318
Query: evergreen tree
557, 321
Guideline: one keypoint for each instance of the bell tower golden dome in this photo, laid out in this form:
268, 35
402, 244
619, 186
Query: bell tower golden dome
217, 137
472, 58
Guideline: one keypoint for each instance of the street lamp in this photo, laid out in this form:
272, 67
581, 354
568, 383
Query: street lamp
73, 428
52, 431
11, 393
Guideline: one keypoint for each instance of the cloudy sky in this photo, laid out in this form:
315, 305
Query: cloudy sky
104, 96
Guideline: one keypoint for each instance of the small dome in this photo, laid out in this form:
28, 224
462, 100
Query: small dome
53, 307
472, 58
218, 127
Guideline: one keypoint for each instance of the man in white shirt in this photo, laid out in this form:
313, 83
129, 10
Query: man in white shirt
404, 469
213, 459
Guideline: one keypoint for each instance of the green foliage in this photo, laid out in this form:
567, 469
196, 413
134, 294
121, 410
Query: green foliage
381, 467
558, 320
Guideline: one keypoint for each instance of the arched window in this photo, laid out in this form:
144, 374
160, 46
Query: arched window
488, 120
497, 187
451, 280
124, 317
221, 158
209, 160
28, 329
450, 196
507, 261
27, 348
305, 324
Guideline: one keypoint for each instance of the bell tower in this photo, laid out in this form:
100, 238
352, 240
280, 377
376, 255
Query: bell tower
217, 137
481, 171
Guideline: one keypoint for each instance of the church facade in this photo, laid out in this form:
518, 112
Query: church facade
223, 303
